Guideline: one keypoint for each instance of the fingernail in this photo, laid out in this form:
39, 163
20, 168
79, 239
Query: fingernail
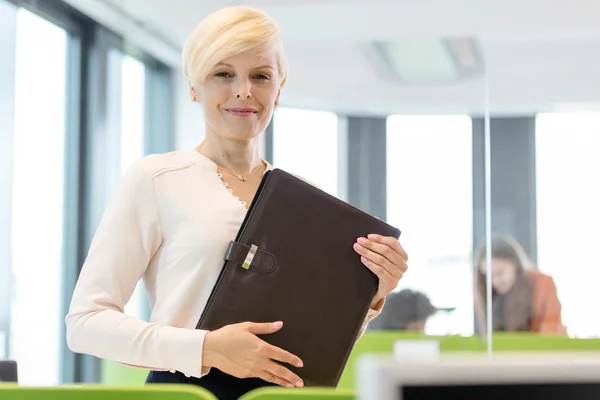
299, 384
277, 324
299, 364
357, 246
362, 240
372, 236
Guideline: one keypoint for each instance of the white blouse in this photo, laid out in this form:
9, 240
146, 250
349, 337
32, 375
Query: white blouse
169, 223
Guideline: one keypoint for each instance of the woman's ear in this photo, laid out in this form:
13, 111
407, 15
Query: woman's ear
277, 98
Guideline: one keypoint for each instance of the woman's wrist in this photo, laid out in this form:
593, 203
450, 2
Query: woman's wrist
209, 352
376, 303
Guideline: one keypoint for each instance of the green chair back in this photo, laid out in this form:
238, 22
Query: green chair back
95, 392
309, 393
116, 374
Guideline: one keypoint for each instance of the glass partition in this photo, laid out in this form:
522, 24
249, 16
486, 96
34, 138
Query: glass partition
435, 185
545, 135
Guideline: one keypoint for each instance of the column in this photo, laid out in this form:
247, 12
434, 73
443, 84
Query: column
513, 183
366, 164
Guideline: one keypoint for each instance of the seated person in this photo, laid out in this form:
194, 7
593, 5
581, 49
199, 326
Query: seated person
523, 299
406, 310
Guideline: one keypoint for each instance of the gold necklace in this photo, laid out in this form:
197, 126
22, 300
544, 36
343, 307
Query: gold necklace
240, 176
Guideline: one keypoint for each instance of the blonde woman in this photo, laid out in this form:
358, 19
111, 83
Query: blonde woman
174, 214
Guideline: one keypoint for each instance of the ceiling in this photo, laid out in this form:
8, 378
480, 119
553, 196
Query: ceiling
539, 55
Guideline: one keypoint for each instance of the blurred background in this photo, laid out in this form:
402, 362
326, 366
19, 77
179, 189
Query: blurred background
392, 99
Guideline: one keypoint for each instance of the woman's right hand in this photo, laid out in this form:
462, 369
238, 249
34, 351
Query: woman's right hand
236, 350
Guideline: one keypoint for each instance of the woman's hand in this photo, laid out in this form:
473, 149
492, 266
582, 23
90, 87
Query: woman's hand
386, 258
236, 350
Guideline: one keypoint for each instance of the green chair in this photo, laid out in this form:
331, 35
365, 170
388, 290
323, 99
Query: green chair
309, 393
116, 374
95, 392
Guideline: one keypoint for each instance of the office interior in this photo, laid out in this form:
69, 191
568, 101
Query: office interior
454, 121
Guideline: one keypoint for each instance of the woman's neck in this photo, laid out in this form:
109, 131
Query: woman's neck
241, 157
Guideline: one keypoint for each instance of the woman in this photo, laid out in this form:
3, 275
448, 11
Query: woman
523, 299
174, 214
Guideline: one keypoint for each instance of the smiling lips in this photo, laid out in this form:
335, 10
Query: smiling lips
241, 112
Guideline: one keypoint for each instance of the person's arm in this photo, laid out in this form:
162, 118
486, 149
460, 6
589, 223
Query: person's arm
127, 238
551, 320
373, 313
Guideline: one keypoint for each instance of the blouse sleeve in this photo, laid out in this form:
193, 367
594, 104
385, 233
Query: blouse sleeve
127, 238
371, 315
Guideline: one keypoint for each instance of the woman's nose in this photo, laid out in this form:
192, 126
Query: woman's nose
244, 89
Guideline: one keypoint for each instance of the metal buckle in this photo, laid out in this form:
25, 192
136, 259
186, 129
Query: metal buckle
250, 257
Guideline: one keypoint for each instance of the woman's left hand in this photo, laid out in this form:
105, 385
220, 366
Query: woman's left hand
386, 258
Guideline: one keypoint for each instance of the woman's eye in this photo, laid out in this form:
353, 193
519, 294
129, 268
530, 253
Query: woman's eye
261, 76
223, 74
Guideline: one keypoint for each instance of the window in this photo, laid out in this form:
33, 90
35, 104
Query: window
132, 114
132, 140
305, 143
38, 198
8, 22
430, 199
568, 195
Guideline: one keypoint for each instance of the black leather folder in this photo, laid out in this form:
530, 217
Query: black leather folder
293, 261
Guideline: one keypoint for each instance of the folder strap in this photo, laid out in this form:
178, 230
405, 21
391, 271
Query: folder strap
250, 257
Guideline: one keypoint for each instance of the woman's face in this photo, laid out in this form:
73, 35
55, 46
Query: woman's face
239, 95
504, 274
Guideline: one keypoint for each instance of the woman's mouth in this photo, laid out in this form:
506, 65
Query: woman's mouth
241, 112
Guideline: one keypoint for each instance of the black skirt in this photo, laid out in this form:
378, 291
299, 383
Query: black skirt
223, 386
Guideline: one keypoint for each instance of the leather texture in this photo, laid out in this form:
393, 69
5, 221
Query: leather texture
305, 273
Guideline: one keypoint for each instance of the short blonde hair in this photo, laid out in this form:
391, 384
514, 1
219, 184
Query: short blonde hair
229, 32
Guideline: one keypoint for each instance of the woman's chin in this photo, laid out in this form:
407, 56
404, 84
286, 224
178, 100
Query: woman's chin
241, 136
502, 290
238, 133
